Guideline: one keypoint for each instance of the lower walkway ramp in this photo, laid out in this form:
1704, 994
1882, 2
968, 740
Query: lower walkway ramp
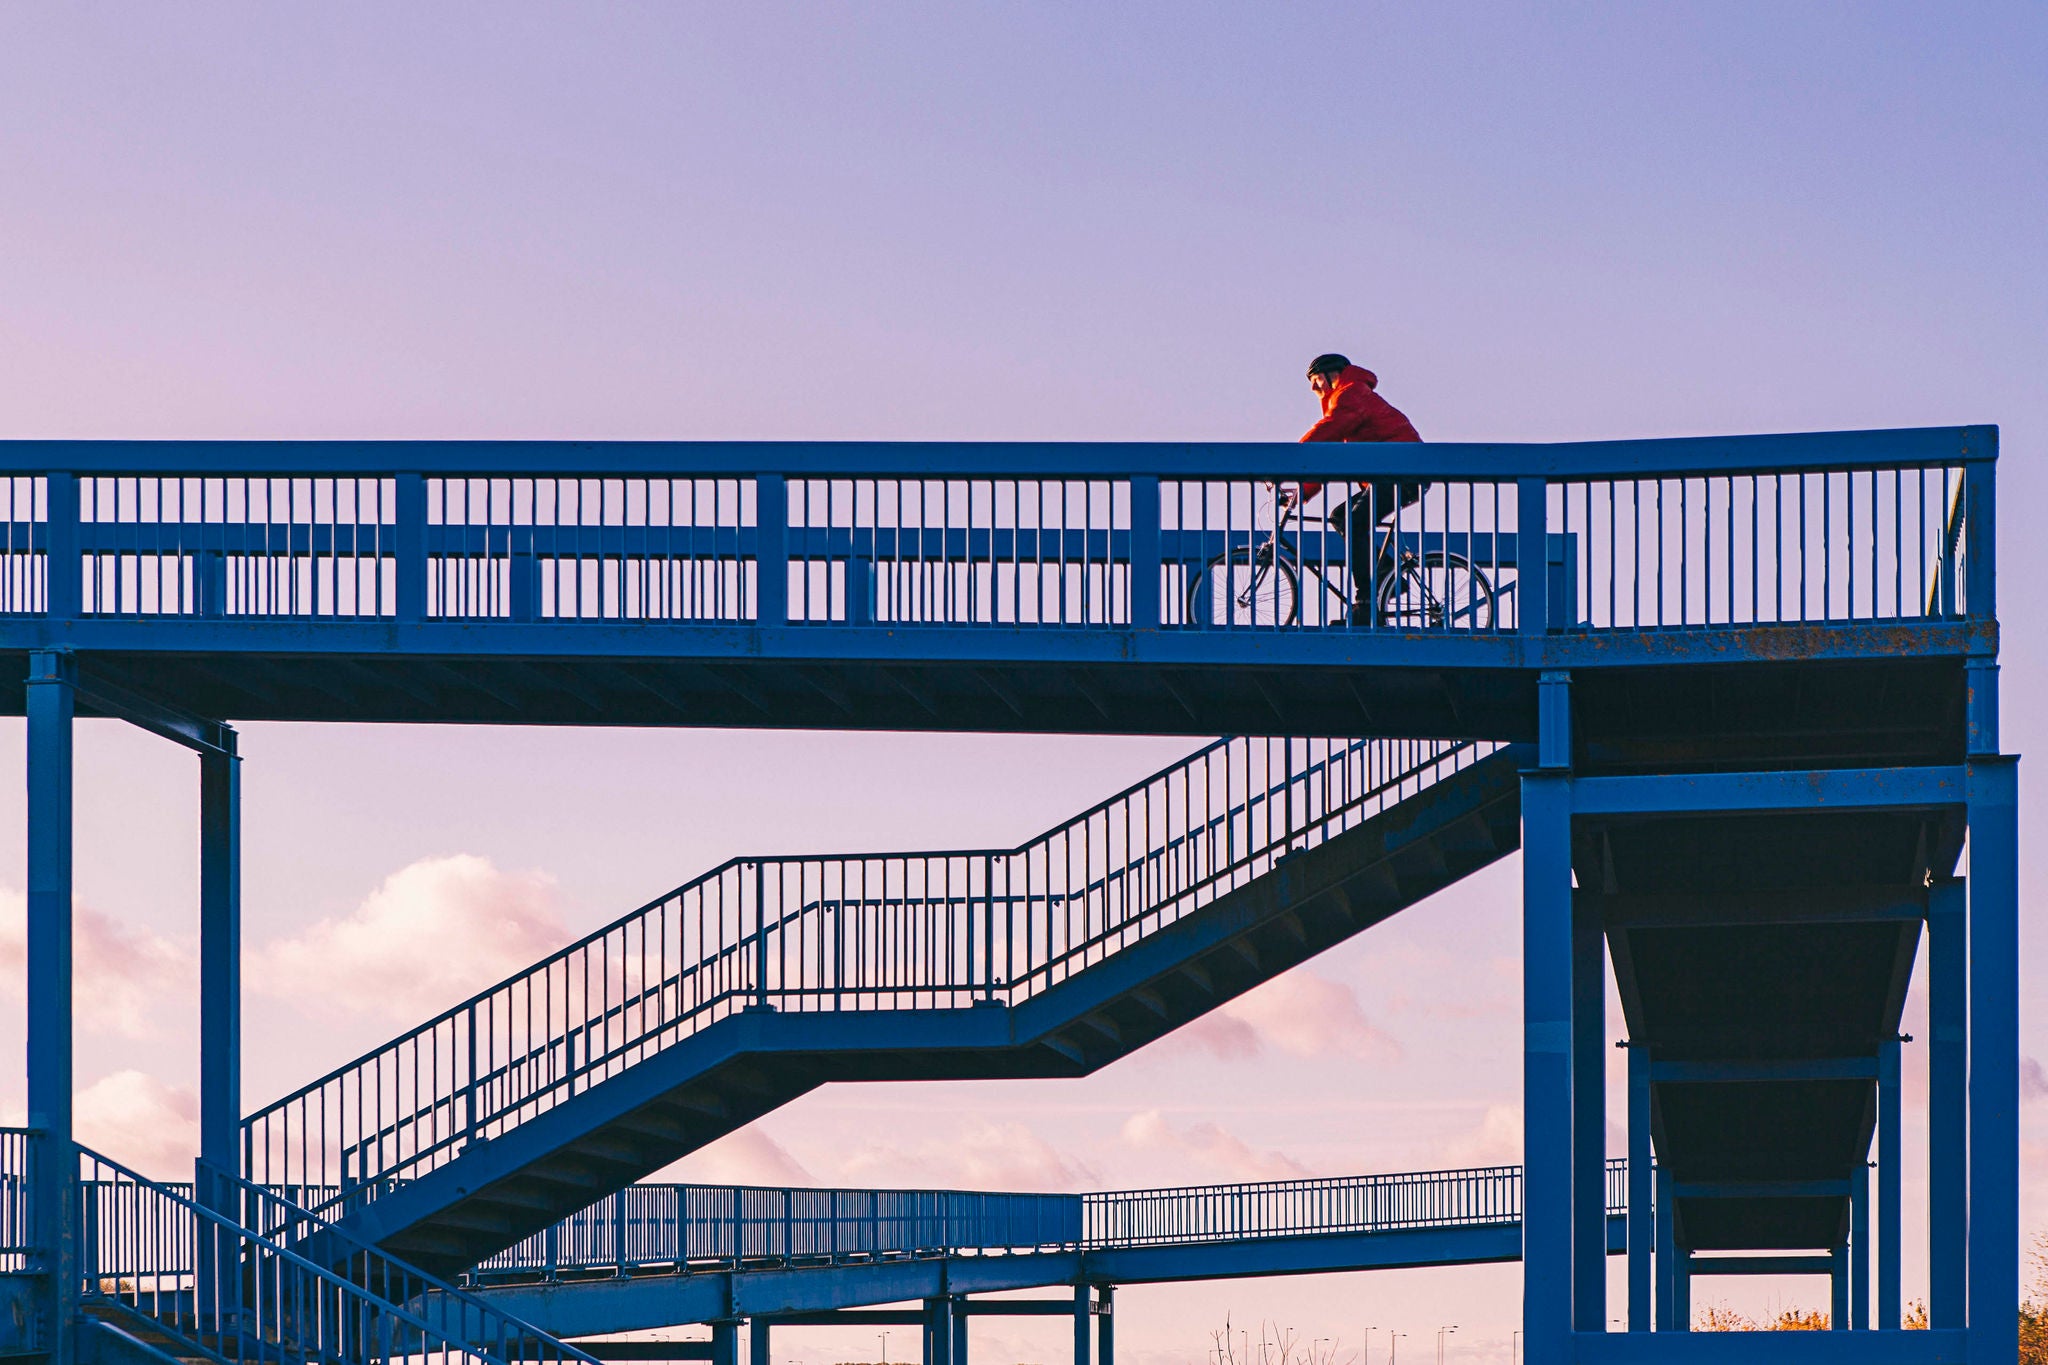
658, 1255
768, 977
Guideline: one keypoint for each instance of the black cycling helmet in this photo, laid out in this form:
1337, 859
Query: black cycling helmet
1329, 363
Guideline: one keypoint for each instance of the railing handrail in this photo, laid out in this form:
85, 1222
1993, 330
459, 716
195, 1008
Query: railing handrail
733, 864
1242, 1211
357, 1247
1669, 456
248, 1238
1308, 1182
596, 936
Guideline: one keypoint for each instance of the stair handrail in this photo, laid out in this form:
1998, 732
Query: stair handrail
720, 977
1047, 898
237, 1292
278, 1219
597, 935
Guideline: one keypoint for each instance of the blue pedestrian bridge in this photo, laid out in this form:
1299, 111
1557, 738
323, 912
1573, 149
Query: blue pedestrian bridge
1733, 699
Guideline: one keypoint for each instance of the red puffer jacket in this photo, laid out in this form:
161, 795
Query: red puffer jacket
1353, 411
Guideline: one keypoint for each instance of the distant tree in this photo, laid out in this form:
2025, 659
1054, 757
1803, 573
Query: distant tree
1721, 1318
2033, 1314
2034, 1308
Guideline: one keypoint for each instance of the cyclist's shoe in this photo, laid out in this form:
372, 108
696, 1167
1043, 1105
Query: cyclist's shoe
1360, 615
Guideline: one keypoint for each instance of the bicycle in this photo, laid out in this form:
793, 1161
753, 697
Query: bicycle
1259, 584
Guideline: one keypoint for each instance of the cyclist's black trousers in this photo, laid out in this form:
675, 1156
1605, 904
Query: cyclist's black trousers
1360, 519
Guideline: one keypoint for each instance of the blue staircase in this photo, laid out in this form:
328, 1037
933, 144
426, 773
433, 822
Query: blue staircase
766, 978
232, 1273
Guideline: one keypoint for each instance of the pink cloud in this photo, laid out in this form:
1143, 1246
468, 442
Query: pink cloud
1300, 1014
1210, 1149
141, 1122
435, 932
747, 1157
1496, 1141
2033, 1081
983, 1155
120, 972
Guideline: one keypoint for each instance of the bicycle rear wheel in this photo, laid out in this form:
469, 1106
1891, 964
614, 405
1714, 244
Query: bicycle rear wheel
1436, 591
1235, 589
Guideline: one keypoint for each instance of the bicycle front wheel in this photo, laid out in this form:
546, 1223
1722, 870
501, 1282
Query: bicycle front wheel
1237, 589
1436, 591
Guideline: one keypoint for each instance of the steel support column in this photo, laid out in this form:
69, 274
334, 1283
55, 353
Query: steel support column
1948, 1111
725, 1343
1838, 1287
1589, 1122
1994, 1059
1547, 971
1681, 1291
51, 705
1105, 1326
1081, 1324
758, 1341
1641, 1199
959, 1333
938, 1331
1667, 1257
1888, 1162
1859, 1249
220, 961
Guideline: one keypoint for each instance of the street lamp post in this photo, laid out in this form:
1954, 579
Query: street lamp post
1366, 1357
1515, 1347
1441, 1333
1394, 1347
885, 1348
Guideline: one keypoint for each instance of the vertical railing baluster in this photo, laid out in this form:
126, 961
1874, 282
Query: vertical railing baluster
1532, 554
771, 550
1146, 563
64, 566
410, 540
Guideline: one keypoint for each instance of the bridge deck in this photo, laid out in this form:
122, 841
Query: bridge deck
995, 587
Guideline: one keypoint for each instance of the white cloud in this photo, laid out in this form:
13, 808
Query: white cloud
1300, 1014
1497, 1141
140, 1122
983, 1155
119, 972
2033, 1081
746, 1157
1210, 1149
435, 932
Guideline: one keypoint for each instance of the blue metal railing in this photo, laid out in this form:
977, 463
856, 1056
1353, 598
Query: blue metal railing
1633, 535
678, 1228
861, 932
1293, 1208
17, 1189
262, 1281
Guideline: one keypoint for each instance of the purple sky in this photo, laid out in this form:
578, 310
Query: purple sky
1004, 222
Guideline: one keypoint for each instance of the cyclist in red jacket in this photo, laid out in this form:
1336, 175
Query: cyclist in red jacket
1354, 411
